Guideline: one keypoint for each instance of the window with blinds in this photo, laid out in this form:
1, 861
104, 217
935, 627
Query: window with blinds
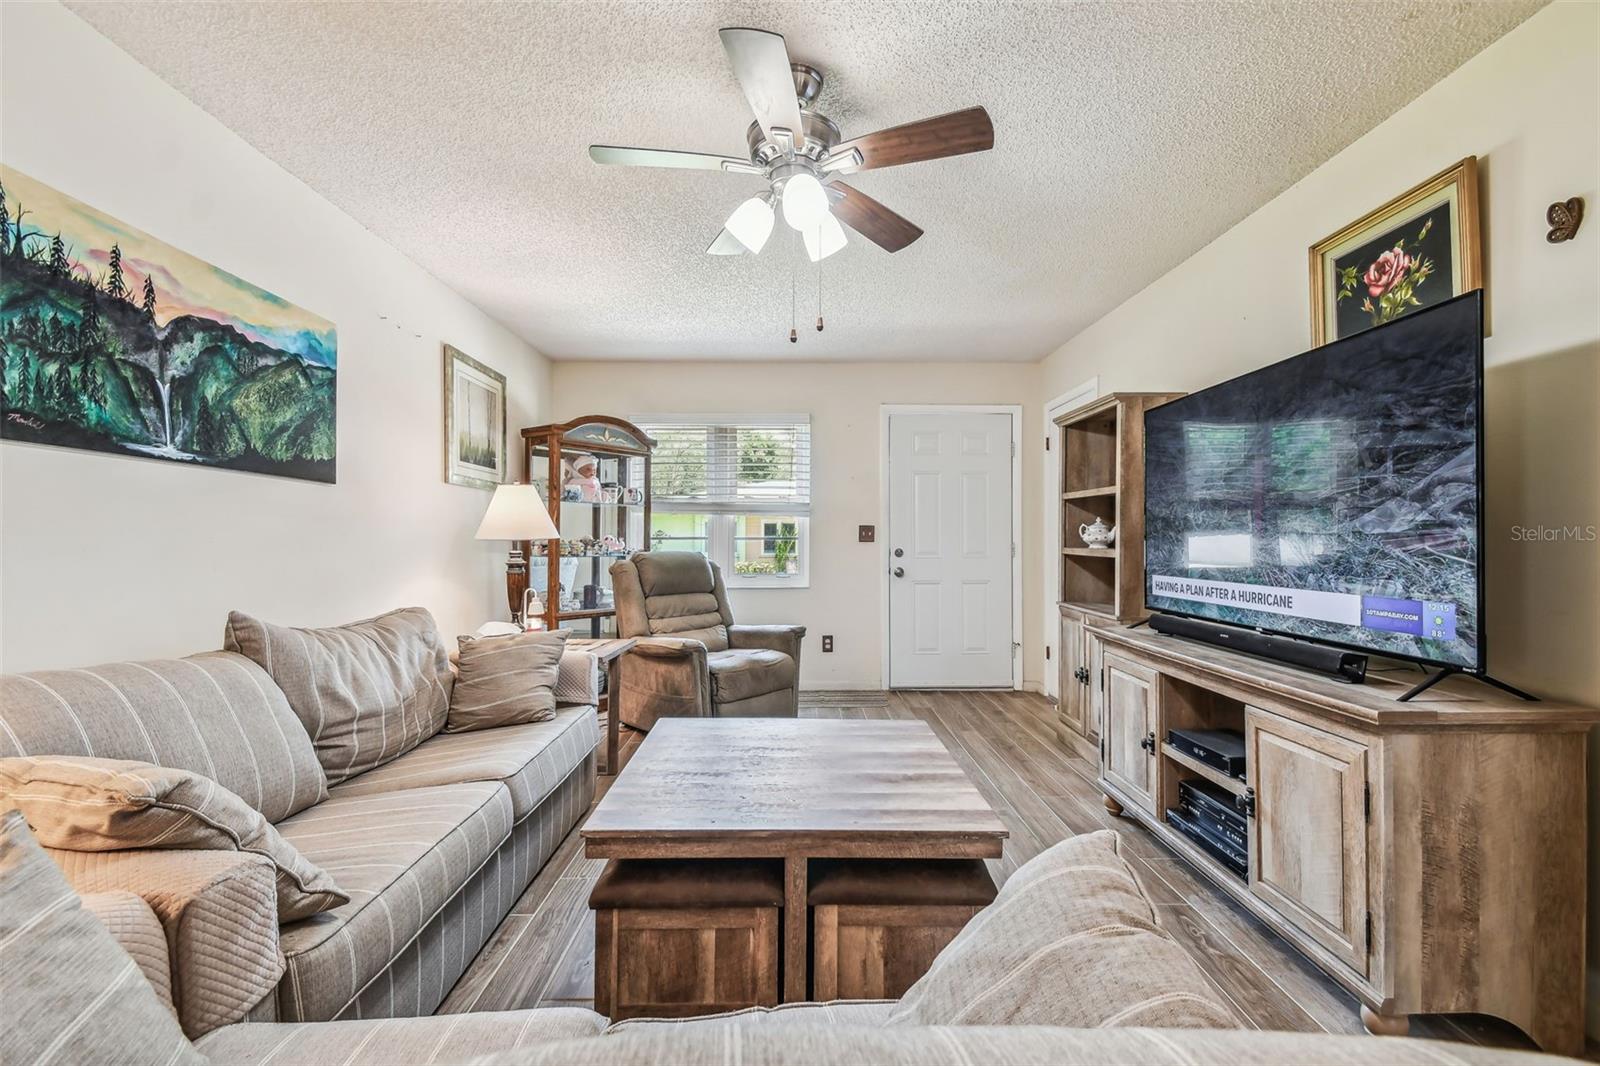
737, 489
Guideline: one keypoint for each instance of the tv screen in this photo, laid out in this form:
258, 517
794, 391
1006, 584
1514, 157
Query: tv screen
1335, 496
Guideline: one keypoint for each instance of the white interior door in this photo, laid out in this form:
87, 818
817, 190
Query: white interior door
950, 550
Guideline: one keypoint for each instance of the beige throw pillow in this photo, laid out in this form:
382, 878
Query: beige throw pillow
79, 803
70, 994
367, 692
1071, 940
505, 680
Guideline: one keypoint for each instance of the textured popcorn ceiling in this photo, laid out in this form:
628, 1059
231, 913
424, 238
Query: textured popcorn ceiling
1127, 135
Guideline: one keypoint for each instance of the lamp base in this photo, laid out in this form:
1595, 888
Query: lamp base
516, 583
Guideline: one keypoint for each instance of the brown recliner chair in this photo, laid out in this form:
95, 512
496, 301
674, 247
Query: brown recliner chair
691, 660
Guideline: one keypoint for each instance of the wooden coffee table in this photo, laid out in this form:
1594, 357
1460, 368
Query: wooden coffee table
795, 789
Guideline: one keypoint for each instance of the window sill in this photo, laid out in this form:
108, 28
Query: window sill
766, 583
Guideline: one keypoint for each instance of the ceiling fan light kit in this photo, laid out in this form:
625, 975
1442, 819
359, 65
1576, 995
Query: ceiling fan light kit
751, 222
801, 154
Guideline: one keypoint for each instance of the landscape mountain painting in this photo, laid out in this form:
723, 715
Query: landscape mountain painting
115, 341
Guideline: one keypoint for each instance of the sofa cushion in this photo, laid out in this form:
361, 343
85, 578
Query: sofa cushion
441, 1040
507, 680
1071, 940
70, 993
216, 714
745, 672
83, 804
530, 760
400, 856
367, 692
137, 930
722, 1044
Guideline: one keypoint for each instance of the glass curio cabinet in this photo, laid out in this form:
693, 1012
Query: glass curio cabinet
594, 472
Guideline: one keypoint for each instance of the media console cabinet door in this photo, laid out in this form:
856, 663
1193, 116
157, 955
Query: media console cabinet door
1073, 670
1309, 846
1128, 741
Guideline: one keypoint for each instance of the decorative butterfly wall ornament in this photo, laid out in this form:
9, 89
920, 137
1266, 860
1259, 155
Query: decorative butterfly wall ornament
1564, 218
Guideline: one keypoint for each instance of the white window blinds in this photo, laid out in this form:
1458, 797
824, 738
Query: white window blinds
730, 465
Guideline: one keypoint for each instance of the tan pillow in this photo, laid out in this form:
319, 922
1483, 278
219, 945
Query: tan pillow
1071, 940
70, 993
84, 804
505, 680
367, 692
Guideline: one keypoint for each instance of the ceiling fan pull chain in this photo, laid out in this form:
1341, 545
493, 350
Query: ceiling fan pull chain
794, 336
819, 280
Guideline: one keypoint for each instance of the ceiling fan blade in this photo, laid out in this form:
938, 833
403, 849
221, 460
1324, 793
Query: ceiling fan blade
761, 63
872, 220
662, 157
726, 244
957, 133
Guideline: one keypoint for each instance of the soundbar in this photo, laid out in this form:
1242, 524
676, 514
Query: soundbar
1348, 666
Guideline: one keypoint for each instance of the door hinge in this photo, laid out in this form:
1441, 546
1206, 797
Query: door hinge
1047, 444
1047, 653
1013, 449
1013, 551
1246, 802
1366, 806
1369, 932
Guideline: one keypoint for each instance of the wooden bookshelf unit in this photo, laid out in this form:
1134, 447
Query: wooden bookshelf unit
1102, 477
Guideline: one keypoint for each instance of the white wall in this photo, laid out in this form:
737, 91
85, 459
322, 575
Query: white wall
108, 557
843, 400
1527, 108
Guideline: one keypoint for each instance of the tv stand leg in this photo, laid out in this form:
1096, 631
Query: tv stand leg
1111, 805
1385, 1024
1423, 686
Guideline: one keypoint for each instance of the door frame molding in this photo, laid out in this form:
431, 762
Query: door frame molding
1084, 392
1014, 411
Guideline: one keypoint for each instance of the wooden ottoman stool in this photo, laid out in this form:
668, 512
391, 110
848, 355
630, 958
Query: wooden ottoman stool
674, 938
877, 924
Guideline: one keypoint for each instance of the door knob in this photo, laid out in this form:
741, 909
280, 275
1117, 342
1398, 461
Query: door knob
899, 571
898, 552
1082, 674
1149, 743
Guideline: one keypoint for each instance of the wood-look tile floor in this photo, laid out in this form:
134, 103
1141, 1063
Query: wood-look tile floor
543, 953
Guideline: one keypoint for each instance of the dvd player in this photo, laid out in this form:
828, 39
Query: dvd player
1214, 808
1222, 749
1234, 860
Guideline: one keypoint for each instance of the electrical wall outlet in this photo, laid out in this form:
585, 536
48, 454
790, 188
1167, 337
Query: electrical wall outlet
827, 642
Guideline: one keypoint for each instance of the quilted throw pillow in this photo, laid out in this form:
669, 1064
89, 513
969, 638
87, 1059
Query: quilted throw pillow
507, 680
367, 692
78, 803
1071, 940
70, 993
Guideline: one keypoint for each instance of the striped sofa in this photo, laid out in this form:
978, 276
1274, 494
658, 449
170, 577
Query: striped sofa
433, 845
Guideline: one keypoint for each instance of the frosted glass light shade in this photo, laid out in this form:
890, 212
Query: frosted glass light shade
751, 223
825, 238
804, 201
516, 512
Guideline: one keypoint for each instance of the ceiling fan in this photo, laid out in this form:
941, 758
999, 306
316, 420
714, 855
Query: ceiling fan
802, 154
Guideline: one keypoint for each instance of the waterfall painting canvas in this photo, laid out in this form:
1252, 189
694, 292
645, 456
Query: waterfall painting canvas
115, 341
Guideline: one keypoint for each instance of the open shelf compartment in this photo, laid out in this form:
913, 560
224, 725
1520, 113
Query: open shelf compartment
1188, 706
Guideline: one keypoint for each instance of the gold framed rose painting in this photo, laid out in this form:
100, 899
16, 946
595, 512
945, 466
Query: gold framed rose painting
1419, 249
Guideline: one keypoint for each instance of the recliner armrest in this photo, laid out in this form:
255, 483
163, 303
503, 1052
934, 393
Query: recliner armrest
774, 638
220, 913
669, 648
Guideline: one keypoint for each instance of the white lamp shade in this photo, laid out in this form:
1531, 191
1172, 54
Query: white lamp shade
804, 201
751, 223
517, 513
825, 238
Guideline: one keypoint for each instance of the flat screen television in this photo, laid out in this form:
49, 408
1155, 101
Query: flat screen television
1336, 496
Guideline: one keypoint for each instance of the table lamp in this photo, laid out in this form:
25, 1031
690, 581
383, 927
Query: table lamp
517, 513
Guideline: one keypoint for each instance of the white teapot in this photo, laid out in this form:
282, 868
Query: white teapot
1098, 535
